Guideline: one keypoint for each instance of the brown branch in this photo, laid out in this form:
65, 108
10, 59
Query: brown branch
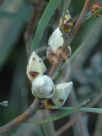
80, 20
21, 118
74, 120
55, 66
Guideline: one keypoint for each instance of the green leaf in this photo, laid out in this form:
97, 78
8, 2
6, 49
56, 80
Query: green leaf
84, 109
49, 11
86, 34
93, 110
65, 111
59, 115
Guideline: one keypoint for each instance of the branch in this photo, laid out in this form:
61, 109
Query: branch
80, 20
21, 118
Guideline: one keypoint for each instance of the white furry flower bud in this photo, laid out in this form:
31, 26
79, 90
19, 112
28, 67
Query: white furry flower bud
61, 93
57, 47
60, 96
35, 66
43, 87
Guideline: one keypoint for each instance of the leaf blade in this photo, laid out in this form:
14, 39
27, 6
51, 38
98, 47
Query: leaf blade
49, 11
92, 110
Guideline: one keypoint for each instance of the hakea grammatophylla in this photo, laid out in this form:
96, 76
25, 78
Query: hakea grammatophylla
56, 47
43, 87
35, 66
62, 92
56, 39
60, 96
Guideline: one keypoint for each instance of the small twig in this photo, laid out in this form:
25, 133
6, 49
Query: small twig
21, 118
67, 126
80, 20
55, 66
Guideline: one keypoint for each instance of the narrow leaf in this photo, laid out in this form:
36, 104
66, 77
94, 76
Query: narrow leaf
59, 115
93, 110
65, 111
49, 11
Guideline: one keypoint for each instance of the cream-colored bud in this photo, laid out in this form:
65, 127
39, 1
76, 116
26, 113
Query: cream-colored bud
35, 66
60, 96
62, 92
43, 87
56, 40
